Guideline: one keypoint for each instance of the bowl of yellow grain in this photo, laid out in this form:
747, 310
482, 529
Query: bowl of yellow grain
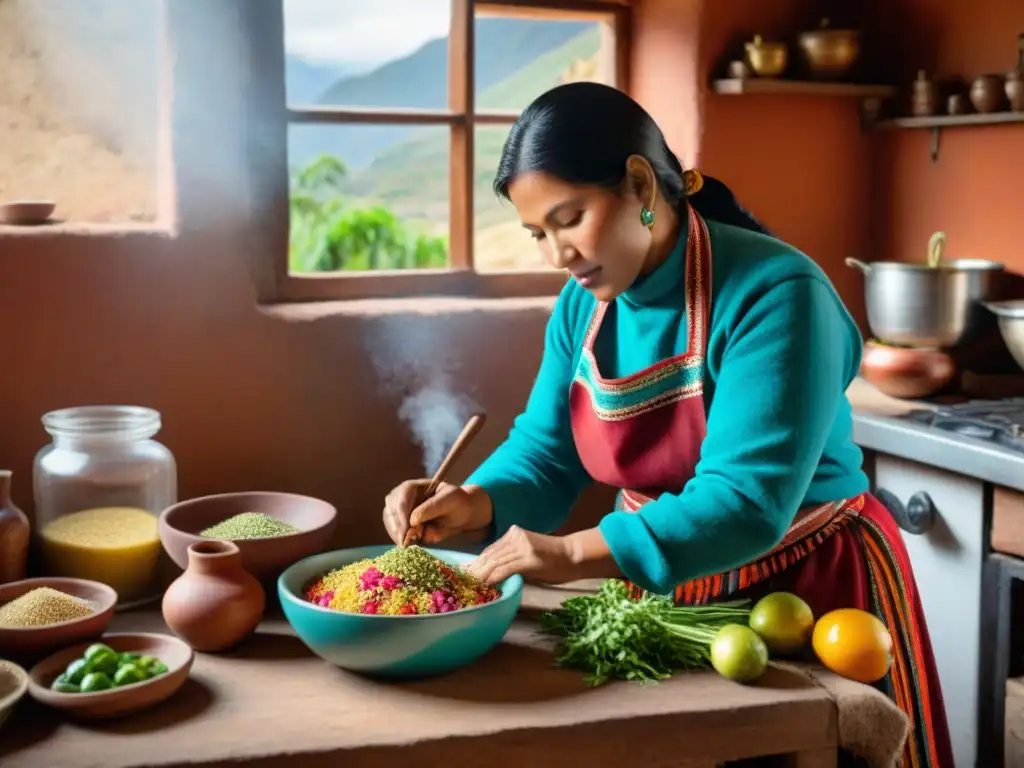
272, 530
117, 546
38, 616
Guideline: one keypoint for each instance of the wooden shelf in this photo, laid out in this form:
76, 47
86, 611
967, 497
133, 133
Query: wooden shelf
768, 85
949, 121
937, 123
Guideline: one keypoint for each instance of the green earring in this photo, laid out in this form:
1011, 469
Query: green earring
647, 217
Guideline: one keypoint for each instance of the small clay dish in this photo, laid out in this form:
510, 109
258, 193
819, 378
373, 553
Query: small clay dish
266, 558
25, 213
906, 373
36, 642
9, 698
115, 702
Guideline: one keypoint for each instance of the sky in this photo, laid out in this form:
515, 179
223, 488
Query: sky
362, 32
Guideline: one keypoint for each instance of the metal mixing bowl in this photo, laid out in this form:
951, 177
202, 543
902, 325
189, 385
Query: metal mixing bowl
916, 305
1010, 315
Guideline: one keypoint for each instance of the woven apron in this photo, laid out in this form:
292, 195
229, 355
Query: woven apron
645, 431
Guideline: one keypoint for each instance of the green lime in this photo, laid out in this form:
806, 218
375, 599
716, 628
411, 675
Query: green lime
130, 673
75, 671
783, 621
738, 653
96, 681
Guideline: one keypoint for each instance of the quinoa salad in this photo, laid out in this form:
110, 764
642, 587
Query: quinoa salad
401, 582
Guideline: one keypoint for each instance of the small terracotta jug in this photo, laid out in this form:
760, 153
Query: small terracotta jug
215, 603
14, 534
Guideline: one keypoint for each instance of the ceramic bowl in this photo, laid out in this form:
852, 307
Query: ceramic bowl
121, 701
26, 212
906, 373
181, 524
398, 647
9, 700
39, 641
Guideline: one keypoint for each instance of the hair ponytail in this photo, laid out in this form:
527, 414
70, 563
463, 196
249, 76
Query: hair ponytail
716, 201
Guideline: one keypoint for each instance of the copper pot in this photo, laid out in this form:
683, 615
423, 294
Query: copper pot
904, 372
988, 93
830, 53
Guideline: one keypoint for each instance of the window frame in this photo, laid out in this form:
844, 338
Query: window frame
270, 115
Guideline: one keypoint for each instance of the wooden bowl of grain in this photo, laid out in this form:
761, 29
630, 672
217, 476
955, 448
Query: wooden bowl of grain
311, 522
38, 616
13, 684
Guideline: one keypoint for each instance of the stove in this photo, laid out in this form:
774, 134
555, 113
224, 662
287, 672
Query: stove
991, 421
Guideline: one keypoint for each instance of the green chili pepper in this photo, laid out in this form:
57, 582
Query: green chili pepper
95, 648
103, 660
130, 673
61, 685
96, 681
76, 670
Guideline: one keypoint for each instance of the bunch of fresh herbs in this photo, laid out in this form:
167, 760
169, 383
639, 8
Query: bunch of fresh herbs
610, 635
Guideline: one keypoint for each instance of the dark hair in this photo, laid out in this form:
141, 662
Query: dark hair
583, 133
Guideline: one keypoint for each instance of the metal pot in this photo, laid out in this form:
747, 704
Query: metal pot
1010, 315
914, 305
936, 304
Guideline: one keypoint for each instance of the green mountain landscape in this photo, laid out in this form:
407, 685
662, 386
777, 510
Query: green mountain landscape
405, 169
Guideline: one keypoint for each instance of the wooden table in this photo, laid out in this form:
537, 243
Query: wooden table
272, 703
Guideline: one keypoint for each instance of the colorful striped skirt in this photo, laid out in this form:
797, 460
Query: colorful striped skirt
850, 554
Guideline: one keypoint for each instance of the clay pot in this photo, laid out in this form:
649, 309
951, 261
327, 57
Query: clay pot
988, 93
906, 373
14, 534
957, 104
215, 603
1015, 90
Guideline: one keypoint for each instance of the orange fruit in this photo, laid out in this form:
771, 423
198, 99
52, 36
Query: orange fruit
853, 643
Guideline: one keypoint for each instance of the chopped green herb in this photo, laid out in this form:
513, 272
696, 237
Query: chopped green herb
611, 635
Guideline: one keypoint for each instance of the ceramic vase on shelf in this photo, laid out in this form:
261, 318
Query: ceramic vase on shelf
215, 603
14, 534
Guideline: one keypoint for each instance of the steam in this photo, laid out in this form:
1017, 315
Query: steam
432, 407
435, 415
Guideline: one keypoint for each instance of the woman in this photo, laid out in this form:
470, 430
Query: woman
698, 364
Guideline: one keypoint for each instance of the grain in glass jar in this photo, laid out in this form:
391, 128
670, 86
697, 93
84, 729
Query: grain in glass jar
99, 487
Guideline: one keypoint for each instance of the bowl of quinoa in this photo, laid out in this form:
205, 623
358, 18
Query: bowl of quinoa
272, 530
41, 615
396, 613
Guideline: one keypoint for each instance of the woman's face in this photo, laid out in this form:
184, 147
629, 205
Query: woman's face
594, 234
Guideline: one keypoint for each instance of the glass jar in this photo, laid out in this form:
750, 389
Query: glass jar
99, 487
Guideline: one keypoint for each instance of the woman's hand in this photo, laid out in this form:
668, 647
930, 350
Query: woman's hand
532, 555
452, 509
553, 559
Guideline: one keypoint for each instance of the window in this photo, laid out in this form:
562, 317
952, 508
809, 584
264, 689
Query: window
79, 107
397, 112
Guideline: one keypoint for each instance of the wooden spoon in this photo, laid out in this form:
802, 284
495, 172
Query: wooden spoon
476, 421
